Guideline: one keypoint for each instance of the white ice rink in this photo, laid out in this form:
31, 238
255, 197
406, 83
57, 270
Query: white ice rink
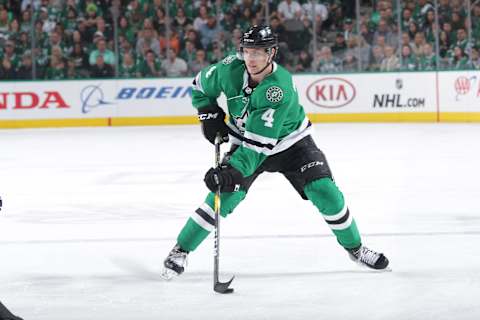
90, 213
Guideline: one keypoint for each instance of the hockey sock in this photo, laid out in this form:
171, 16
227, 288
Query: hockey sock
202, 221
326, 196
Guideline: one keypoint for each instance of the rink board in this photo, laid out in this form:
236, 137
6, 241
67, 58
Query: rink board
367, 97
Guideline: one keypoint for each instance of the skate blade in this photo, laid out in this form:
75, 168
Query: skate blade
364, 266
168, 274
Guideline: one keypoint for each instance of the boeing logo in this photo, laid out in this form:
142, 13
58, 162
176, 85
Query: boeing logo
92, 97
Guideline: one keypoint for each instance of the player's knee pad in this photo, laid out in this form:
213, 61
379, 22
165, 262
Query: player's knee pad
325, 195
228, 201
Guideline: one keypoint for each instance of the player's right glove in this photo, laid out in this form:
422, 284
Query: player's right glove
212, 119
226, 177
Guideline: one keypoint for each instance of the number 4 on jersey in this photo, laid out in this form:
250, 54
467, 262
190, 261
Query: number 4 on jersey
267, 116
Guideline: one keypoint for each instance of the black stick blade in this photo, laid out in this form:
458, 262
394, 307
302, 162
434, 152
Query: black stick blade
223, 287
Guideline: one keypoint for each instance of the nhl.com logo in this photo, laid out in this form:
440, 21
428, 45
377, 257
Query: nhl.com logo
331, 92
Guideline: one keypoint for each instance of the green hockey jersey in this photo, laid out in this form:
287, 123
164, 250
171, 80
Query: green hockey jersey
269, 116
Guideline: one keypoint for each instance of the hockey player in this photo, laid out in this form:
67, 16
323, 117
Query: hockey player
264, 109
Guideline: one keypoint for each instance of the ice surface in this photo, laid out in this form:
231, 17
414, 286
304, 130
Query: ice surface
90, 213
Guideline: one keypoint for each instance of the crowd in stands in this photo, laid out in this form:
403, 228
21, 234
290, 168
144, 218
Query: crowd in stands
75, 39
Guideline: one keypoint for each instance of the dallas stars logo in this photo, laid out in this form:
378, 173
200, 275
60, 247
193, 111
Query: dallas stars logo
274, 94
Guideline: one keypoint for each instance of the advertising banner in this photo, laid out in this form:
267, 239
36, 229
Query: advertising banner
376, 97
459, 91
368, 93
95, 99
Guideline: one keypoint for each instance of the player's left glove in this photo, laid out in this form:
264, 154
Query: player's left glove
227, 177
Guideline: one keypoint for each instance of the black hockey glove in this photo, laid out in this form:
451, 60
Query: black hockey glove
212, 119
227, 177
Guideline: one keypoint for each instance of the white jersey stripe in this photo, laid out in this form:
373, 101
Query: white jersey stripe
342, 226
259, 138
201, 222
336, 216
205, 207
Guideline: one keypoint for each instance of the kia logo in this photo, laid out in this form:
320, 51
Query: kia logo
331, 92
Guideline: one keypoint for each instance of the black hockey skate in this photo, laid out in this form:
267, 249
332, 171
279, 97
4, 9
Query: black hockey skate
369, 258
5, 314
175, 263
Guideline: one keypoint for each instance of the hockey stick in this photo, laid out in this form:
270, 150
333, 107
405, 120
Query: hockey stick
220, 287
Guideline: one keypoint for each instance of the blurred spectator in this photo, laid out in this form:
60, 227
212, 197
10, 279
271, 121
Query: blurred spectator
125, 30
328, 63
6, 69
377, 58
192, 36
24, 72
23, 43
427, 61
462, 40
475, 58
210, 31
417, 44
189, 52
412, 30
108, 57
458, 61
173, 65
228, 22
147, 40
134, 15
304, 63
456, 20
390, 62
160, 21
25, 21
316, 10
70, 21
56, 69
444, 10
101, 69
72, 72
384, 31
128, 67
364, 50
216, 54
444, 44
150, 66
407, 18
350, 62
408, 61
79, 58
180, 21
56, 41
9, 54
289, 9
102, 27
199, 63
201, 19
339, 47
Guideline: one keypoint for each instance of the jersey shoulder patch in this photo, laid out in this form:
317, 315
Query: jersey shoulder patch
274, 94
229, 59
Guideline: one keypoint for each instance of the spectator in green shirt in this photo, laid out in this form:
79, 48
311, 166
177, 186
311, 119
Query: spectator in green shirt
108, 55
